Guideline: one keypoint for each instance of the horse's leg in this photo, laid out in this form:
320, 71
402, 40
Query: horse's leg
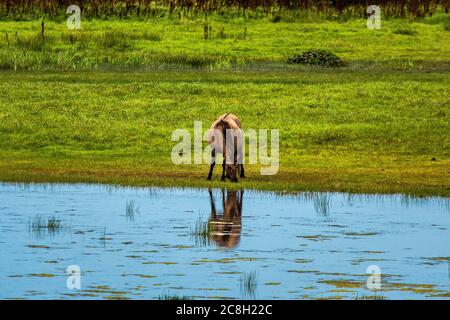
239, 162
223, 170
213, 204
236, 161
223, 199
213, 163
224, 153
242, 170
241, 196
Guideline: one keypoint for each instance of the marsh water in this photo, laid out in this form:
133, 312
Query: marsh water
152, 243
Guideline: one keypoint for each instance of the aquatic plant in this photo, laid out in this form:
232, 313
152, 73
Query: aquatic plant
248, 284
201, 233
169, 296
321, 201
40, 226
131, 210
369, 297
103, 237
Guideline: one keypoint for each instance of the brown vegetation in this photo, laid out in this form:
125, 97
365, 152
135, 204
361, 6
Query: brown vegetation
124, 8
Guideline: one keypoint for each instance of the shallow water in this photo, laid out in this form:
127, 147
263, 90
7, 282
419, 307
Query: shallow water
150, 243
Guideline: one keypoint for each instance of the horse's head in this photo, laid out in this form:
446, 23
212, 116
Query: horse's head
231, 172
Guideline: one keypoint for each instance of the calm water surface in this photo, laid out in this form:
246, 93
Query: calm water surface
150, 243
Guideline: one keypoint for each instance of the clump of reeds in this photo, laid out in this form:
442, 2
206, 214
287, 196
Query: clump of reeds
248, 284
322, 204
169, 296
41, 226
131, 210
201, 233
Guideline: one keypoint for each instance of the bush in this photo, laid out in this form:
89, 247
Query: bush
317, 57
447, 26
276, 18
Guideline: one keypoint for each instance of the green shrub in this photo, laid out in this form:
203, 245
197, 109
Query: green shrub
276, 18
317, 57
447, 25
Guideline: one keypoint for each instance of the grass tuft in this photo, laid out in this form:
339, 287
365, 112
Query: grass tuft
248, 284
40, 226
322, 203
115, 39
34, 42
201, 232
369, 297
131, 210
406, 31
169, 296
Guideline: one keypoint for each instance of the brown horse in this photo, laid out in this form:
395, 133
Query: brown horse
225, 137
226, 226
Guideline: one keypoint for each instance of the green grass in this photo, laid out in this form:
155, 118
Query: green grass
339, 130
168, 42
100, 105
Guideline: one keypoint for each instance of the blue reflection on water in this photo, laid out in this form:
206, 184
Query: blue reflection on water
143, 243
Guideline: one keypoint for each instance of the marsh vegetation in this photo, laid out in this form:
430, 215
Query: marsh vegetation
20, 9
42, 226
201, 232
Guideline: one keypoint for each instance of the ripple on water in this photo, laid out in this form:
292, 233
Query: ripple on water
141, 243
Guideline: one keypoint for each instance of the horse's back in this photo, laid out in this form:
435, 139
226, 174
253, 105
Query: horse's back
229, 116
234, 123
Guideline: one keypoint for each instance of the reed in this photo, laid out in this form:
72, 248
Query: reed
248, 284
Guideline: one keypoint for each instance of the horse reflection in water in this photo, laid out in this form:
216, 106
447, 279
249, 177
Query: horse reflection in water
225, 227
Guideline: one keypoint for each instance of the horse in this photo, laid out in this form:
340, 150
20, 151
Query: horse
226, 226
225, 137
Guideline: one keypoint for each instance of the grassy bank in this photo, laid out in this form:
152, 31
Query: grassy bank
232, 41
347, 130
